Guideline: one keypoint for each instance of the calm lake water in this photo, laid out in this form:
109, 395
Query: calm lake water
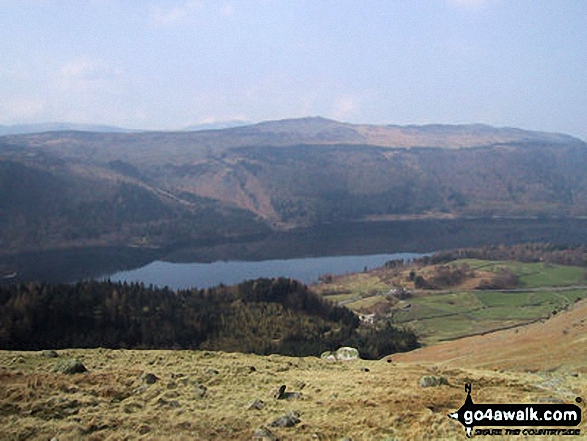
302, 254
204, 275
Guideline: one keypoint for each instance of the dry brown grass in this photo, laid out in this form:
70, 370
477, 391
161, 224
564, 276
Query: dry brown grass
110, 402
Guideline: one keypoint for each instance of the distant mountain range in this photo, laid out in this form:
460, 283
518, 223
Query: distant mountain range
109, 186
18, 129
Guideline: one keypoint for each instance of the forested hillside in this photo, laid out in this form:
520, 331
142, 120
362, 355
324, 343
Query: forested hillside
261, 316
158, 189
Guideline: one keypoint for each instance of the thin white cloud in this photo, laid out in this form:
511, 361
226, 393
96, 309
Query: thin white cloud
166, 16
89, 75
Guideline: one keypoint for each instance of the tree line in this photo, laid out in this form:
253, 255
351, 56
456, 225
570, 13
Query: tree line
260, 316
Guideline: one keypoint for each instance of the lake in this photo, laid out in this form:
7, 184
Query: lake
303, 253
205, 275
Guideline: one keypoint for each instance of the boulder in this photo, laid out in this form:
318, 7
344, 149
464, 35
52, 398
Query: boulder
256, 405
290, 419
344, 353
149, 378
69, 366
433, 381
263, 433
49, 353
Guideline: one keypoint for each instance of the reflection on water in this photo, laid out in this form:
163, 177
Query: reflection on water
345, 239
205, 275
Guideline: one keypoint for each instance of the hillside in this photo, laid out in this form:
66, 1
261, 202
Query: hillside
554, 344
161, 189
216, 395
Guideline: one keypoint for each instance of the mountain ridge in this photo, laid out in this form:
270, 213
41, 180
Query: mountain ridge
159, 188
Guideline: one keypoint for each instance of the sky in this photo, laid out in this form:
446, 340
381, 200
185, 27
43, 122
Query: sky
167, 64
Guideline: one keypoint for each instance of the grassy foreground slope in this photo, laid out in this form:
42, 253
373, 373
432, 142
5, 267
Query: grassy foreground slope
207, 395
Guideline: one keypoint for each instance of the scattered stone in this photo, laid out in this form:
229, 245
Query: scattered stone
149, 378
433, 381
69, 366
290, 419
278, 395
211, 371
49, 353
364, 369
256, 405
252, 369
200, 390
281, 394
299, 385
263, 433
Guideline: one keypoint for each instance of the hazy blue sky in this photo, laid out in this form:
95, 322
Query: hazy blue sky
167, 64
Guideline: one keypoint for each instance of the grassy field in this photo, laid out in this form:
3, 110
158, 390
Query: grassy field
437, 315
532, 275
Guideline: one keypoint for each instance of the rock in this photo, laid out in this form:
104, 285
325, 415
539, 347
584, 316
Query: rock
211, 371
256, 405
364, 369
263, 433
252, 369
200, 390
299, 385
281, 394
344, 353
278, 395
49, 353
290, 419
69, 366
149, 378
328, 356
433, 381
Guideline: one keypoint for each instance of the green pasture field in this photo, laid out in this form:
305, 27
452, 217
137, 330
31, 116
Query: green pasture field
532, 275
437, 316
